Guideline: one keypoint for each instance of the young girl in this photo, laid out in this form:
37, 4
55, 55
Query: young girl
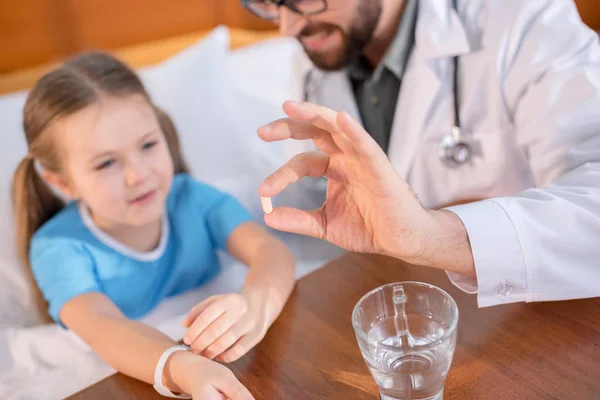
138, 230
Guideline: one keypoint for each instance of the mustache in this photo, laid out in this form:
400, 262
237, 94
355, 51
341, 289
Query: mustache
314, 28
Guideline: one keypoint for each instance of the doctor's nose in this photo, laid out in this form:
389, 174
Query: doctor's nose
290, 23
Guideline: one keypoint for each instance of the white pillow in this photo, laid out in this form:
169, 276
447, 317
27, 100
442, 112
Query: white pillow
265, 75
262, 75
15, 302
193, 88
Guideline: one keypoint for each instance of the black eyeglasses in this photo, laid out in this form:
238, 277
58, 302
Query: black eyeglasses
269, 9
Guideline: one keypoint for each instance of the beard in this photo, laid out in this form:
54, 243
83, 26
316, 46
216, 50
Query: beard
354, 41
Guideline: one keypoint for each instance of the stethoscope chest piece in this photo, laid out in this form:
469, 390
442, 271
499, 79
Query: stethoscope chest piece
453, 150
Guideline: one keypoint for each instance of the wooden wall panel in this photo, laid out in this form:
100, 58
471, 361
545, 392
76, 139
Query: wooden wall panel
590, 12
31, 32
110, 24
238, 16
34, 32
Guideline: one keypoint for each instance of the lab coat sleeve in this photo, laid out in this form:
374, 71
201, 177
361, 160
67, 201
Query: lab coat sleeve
544, 243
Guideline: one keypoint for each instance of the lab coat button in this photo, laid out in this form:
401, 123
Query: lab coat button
504, 289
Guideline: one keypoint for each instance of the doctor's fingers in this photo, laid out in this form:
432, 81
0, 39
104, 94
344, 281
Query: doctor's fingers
313, 164
321, 117
292, 220
288, 128
371, 155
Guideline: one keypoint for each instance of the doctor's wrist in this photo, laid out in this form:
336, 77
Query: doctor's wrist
447, 244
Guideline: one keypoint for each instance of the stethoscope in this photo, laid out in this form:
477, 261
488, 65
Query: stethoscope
454, 150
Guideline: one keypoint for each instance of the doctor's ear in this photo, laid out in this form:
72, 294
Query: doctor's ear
59, 182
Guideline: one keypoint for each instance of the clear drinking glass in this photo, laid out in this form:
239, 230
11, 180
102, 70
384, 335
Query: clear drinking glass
406, 332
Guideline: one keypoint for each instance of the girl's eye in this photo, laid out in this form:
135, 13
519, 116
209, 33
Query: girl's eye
149, 145
105, 165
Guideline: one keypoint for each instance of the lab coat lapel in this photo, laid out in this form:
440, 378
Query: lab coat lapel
335, 91
440, 35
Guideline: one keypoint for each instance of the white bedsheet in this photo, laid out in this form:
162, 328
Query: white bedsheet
48, 362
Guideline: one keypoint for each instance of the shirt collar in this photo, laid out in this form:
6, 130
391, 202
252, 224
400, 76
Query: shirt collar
397, 54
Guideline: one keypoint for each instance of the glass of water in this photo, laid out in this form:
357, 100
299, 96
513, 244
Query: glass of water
406, 332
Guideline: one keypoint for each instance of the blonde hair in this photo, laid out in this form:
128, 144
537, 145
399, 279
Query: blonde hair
80, 82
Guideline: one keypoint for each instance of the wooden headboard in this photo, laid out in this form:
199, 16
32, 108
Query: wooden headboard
590, 12
137, 56
35, 32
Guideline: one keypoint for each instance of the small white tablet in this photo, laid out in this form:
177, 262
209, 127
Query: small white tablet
267, 205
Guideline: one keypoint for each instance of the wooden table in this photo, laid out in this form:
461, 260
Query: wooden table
517, 351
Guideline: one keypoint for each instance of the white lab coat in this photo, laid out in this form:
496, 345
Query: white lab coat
530, 100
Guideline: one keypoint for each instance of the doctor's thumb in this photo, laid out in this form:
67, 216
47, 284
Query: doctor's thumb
293, 220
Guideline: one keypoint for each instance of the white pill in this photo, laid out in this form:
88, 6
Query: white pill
267, 205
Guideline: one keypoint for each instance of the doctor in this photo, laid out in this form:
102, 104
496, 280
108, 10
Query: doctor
496, 100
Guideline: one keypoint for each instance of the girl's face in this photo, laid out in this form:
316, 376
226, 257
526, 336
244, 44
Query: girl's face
116, 161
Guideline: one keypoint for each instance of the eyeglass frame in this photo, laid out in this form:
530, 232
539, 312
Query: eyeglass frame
279, 4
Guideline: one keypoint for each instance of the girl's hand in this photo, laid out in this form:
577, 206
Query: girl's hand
227, 326
205, 379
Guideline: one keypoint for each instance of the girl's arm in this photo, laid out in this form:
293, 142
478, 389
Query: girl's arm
271, 265
134, 349
228, 326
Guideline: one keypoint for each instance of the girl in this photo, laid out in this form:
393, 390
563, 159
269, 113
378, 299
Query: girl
138, 229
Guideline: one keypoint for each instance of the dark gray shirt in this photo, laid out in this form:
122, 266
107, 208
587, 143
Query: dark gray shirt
376, 90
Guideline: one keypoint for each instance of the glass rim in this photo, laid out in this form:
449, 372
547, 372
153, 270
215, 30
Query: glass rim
379, 344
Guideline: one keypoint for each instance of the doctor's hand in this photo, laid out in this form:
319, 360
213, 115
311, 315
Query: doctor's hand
227, 326
368, 207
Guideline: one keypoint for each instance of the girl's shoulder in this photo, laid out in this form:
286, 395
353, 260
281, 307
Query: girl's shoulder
63, 236
67, 223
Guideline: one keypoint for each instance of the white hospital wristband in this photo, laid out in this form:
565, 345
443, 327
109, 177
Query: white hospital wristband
158, 373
